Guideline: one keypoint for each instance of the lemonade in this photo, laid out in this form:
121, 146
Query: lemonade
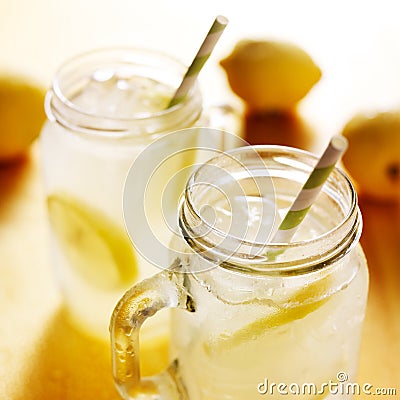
243, 323
105, 107
284, 329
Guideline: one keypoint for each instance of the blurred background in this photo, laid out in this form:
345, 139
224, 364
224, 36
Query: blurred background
356, 44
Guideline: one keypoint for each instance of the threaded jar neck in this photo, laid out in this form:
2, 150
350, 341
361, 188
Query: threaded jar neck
254, 186
73, 77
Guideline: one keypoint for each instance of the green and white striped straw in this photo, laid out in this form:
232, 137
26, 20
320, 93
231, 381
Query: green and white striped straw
200, 59
310, 190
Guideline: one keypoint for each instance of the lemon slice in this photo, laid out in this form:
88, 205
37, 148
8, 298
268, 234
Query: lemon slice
297, 307
96, 247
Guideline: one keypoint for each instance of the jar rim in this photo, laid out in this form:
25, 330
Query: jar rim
59, 106
348, 229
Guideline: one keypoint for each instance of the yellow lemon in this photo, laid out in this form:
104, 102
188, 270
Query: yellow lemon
270, 75
21, 115
96, 247
373, 155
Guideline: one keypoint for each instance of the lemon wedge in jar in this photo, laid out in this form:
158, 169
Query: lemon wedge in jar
96, 248
302, 303
270, 75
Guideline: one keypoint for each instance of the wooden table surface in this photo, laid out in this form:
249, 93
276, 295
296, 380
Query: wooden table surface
357, 45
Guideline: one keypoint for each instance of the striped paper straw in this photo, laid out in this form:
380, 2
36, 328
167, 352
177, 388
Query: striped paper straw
310, 190
200, 59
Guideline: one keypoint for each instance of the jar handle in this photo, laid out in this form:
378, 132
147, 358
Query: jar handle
163, 290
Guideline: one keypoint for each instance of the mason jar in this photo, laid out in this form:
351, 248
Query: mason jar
251, 317
103, 109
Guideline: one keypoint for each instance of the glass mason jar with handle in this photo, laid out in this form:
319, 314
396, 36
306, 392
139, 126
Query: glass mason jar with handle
103, 109
248, 315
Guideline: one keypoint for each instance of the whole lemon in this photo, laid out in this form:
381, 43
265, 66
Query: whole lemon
21, 115
373, 155
270, 75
